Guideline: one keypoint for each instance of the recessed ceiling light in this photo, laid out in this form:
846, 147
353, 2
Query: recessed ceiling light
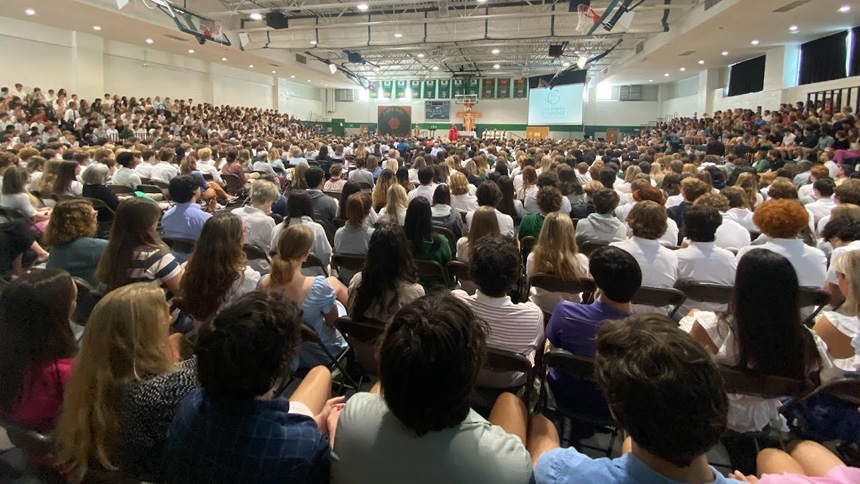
496, 66
482, 1
256, 16
421, 55
566, 64
292, 77
326, 85
309, 80
190, 51
650, 80
793, 28
30, 11
496, 51
754, 42
845, 8
313, 42
666, 75
682, 69
97, 27
149, 41
701, 62
251, 66
435, 68
398, 34
224, 59
274, 72
725, 52
362, 6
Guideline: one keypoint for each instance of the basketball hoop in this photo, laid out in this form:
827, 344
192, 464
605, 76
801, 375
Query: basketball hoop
212, 28
587, 18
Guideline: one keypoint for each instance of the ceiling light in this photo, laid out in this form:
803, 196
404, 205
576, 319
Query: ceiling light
362, 6
754, 42
581, 62
421, 55
274, 72
496, 66
398, 34
701, 62
149, 41
190, 51
251, 66
292, 77
435, 68
793, 28
313, 42
650, 80
566, 64
682, 69
725, 52
482, 1
496, 51
256, 16
845, 8
30, 11
97, 27
224, 59
666, 75
309, 80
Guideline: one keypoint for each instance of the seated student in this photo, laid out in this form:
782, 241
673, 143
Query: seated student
389, 279
806, 463
125, 388
548, 179
654, 194
325, 207
233, 429
462, 197
426, 186
300, 211
126, 175
360, 174
443, 215
37, 347
730, 234
822, 189
259, 225
783, 221
206, 285
489, 195
672, 423
847, 193
701, 260
495, 268
426, 433
549, 201
647, 222
602, 226
70, 235
394, 211
354, 236
767, 338
335, 183
556, 253
94, 178
691, 189
806, 192
839, 327
379, 197
317, 297
233, 166
573, 326
165, 170
739, 210
185, 219
14, 195
484, 223
419, 230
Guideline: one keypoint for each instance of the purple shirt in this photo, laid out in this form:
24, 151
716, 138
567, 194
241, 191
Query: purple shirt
574, 327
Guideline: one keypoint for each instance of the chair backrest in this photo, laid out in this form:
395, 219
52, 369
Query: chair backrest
160, 184
554, 283
660, 297
208, 176
812, 297
277, 218
742, 382
706, 291
431, 268
335, 195
86, 301
458, 269
98, 203
352, 262
581, 367
366, 330
183, 246
504, 360
517, 220
146, 188
120, 189
338, 223
588, 247
31, 442
232, 181
61, 197
252, 252
314, 261
527, 244
452, 241
365, 186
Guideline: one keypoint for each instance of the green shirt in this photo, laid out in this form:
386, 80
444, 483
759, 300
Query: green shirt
762, 166
441, 253
530, 225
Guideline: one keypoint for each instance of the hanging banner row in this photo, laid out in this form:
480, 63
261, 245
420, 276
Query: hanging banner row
449, 88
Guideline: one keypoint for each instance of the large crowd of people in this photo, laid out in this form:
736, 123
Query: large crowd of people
223, 245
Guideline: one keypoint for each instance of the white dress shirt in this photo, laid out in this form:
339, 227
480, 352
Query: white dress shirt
706, 262
321, 248
164, 172
126, 177
425, 191
732, 235
808, 262
837, 253
506, 223
205, 167
674, 201
820, 208
743, 216
659, 265
258, 226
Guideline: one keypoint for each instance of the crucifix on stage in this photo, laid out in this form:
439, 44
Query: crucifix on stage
469, 116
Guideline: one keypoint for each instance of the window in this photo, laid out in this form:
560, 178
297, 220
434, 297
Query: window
604, 91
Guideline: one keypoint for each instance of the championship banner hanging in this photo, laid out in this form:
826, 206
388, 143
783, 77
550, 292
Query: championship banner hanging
445, 89
395, 120
503, 88
521, 88
373, 90
416, 89
488, 88
430, 89
459, 87
387, 89
474, 86
401, 89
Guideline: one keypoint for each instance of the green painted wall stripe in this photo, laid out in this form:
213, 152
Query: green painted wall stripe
587, 129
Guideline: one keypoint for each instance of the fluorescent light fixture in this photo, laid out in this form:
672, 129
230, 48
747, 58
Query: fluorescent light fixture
97, 27
666, 75
725, 52
149, 41
496, 66
362, 6
190, 51
398, 34
30, 11
701, 62
482, 1
251, 66
292, 77
274, 72
793, 28
421, 56
682, 69
313, 42
256, 16
650, 80
754, 42
566, 64
495, 51
309, 80
435, 68
845, 8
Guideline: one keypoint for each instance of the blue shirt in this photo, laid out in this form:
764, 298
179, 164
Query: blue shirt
562, 466
319, 300
184, 221
298, 161
254, 441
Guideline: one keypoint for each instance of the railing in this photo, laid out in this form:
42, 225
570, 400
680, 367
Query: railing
834, 100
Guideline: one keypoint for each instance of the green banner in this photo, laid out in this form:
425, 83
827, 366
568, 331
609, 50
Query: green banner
445, 89
503, 88
474, 86
459, 87
430, 89
387, 89
416, 89
521, 88
488, 88
373, 90
400, 89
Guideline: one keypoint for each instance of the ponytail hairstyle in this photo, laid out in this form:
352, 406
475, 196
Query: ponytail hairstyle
293, 247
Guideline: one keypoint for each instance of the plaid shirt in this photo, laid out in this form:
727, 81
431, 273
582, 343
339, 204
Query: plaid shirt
253, 442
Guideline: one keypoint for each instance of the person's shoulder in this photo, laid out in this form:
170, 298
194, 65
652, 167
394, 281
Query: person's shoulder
365, 408
559, 466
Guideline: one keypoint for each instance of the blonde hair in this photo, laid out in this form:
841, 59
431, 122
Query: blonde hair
459, 184
293, 246
397, 200
484, 223
126, 339
544, 164
380, 191
556, 249
49, 176
849, 266
391, 164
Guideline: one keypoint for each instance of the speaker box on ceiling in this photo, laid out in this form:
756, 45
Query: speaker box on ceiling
276, 20
353, 57
556, 50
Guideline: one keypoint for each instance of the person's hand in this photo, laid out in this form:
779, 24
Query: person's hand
333, 404
738, 475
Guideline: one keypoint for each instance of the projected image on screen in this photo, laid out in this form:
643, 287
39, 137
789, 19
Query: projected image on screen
556, 106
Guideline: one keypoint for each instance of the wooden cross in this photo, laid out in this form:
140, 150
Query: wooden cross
469, 116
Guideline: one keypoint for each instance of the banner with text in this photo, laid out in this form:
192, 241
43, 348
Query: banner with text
395, 120
488, 88
503, 88
445, 89
401, 89
521, 88
373, 90
387, 89
458, 87
430, 89
416, 89
474, 86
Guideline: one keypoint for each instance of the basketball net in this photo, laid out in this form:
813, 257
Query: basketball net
212, 28
587, 18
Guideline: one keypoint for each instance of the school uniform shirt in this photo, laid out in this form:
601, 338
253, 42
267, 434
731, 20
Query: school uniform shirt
547, 300
163, 172
809, 262
384, 218
659, 265
820, 208
835, 255
349, 240
742, 216
258, 226
506, 223
600, 228
144, 170
466, 202
674, 201
126, 177
530, 205
208, 167
731, 235
184, 221
321, 247
705, 262
425, 191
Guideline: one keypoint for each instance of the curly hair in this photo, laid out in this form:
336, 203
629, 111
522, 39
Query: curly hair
648, 220
781, 219
782, 189
648, 192
716, 200
71, 220
549, 199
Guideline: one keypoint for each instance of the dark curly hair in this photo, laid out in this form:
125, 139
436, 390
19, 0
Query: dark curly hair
71, 220
648, 220
549, 199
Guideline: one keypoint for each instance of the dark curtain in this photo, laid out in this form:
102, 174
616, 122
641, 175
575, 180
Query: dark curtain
747, 76
855, 52
823, 59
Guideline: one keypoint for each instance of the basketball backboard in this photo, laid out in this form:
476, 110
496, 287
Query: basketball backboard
203, 28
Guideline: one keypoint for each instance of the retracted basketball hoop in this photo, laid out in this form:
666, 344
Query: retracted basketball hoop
192, 23
587, 18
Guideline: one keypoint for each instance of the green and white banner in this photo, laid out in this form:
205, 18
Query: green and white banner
400, 89
416, 89
373, 90
445, 89
521, 88
430, 89
503, 88
459, 87
387, 89
474, 86
488, 88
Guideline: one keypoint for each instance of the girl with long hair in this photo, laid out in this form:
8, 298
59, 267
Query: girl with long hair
509, 204
216, 273
462, 195
300, 211
394, 211
125, 388
387, 179
529, 183
748, 182
570, 188
348, 189
354, 236
389, 279
425, 244
556, 253
317, 296
763, 332
484, 223
839, 327
403, 179
14, 195
67, 180
37, 347
442, 213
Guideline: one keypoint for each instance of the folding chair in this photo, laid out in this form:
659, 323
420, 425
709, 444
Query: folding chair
504, 361
588, 247
432, 270
365, 186
335, 195
459, 270
338, 223
182, 246
582, 368
61, 197
844, 389
812, 297
526, 245
277, 218
659, 297
87, 299
233, 185
352, 262
554, 283
36, 446
706, 292
452, 241
145, 188
160, 184
362, 336
335, 363
11, 214
120, 189
208, 177
314, 262
252, 252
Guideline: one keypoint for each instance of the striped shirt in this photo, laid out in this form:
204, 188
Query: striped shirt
151, 264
